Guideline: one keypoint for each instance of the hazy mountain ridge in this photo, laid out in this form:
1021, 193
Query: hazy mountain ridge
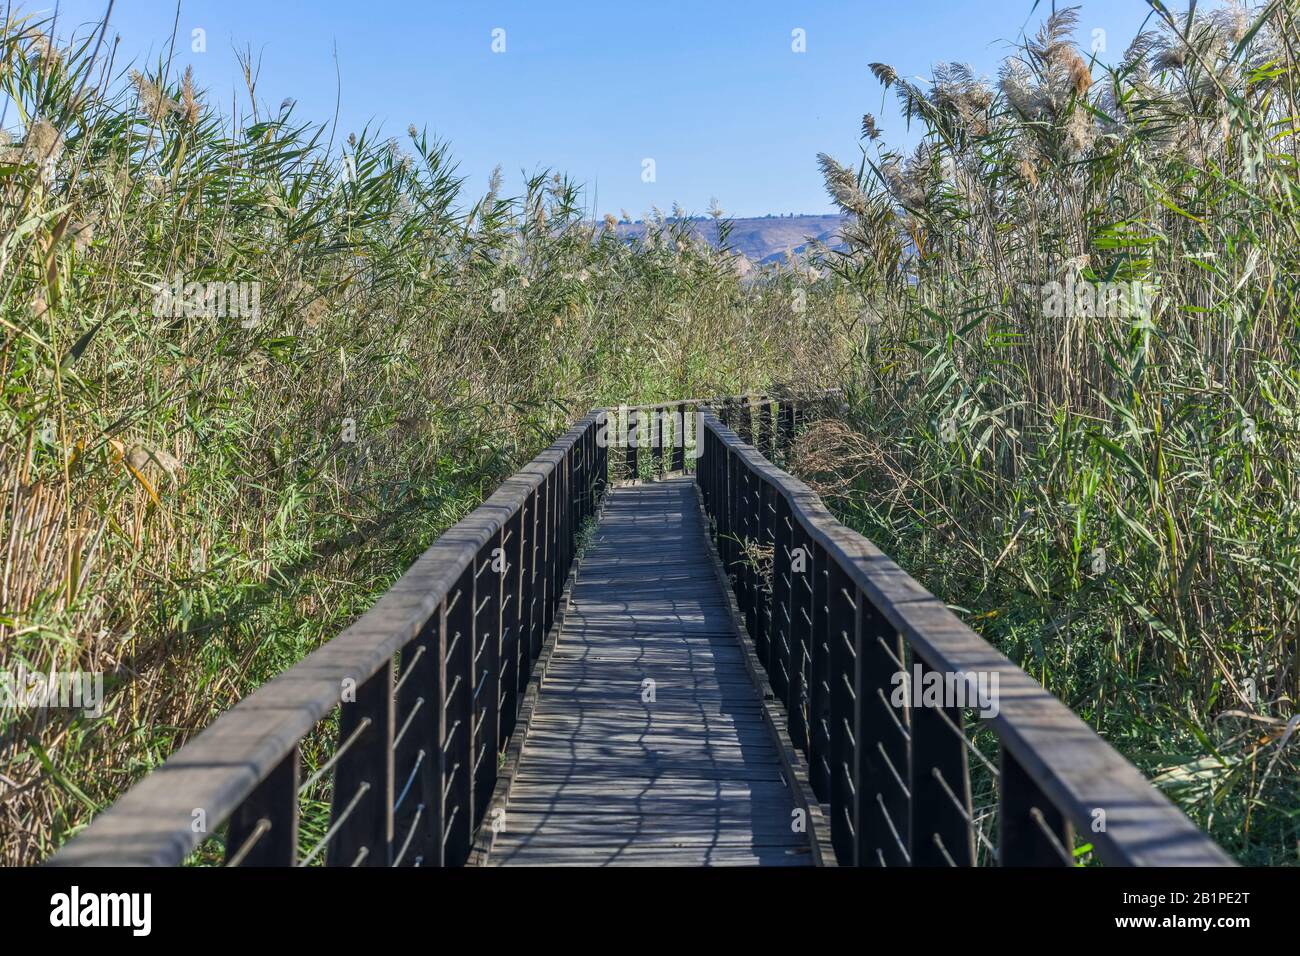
762, 238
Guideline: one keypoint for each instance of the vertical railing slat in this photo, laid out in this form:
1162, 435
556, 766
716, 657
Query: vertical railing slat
528, 590
783, 579
633, 443
487, 630
417, 757
785, 430
458, 719
657, 450
362, 805
1031, 832
679, 438
883, 745
942, 814
264, 830
766, 544
545, 570
801, 601
819, 689
509, 668
842, 629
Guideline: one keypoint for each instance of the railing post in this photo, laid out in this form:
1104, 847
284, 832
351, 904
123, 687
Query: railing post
739, 563
487, 631
528, 631
843, 628
724, 509
633, 441
767, 545
884, 743
746, 420
719, 485
577, 456
679, 439
801, 604
819, 691
549, 542
704, 471
588, 473
457, 731
942, 814
511, 543
741, 516
590, 453
657, 441
770, 425
572, 509
749, 509
702, 474
560, 542
783, 610
417, 758
264, 830
362, 806
1031, 831
785, 430
602, 455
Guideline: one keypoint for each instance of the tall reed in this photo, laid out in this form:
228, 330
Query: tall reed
1107, 484
195, 496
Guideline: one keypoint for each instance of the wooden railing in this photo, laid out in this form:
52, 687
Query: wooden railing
425, 686
846, 637
660, 439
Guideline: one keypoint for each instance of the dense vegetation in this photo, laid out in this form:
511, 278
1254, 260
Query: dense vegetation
1111, 492
193, 500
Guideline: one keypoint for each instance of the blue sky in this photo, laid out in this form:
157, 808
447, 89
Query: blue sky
712, 90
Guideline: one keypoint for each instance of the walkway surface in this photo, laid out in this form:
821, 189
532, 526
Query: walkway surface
648, 745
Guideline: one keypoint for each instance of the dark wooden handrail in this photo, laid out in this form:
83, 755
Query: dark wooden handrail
834, 627
426, 684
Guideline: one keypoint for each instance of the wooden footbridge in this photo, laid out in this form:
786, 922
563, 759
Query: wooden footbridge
651, 646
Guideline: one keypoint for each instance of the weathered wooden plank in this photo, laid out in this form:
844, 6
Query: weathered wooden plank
716, 726
773, 801
747, 821
548, 833
704, 691
649, 766
668, 749
658, 856
708, 676
573, 829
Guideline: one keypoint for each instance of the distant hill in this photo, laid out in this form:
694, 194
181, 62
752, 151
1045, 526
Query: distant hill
764, 238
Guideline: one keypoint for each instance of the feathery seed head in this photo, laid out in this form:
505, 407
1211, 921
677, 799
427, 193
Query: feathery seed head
156, 104
189, 105
842, 185
43, 144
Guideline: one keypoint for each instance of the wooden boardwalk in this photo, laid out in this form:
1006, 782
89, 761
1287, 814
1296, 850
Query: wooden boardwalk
610, 776
647, 732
